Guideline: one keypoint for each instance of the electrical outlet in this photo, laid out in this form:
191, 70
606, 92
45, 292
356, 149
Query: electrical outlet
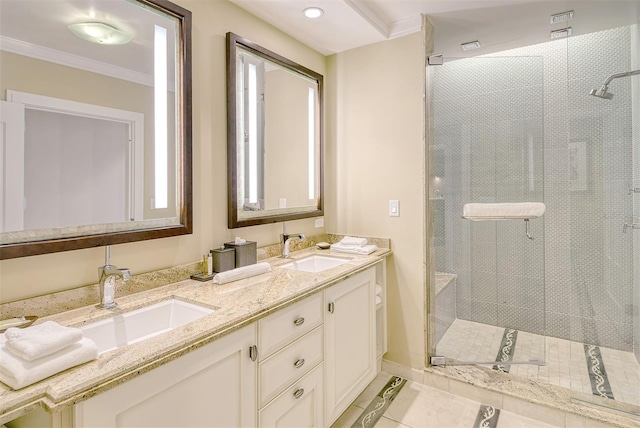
282, 203
320, 222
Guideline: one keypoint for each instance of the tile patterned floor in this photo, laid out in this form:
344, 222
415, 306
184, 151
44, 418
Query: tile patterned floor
566, 361
420, 406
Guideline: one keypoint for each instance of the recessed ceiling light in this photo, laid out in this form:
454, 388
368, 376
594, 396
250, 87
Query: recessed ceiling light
98, 32
313, 12
470, 45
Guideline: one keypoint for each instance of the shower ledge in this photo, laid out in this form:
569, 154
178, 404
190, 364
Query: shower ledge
542, 398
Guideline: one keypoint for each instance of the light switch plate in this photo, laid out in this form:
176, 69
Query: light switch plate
282, 203
320, 222
394, 208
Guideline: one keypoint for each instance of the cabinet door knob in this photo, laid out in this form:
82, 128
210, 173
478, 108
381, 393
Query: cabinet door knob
298, 393
299, 363
298, 322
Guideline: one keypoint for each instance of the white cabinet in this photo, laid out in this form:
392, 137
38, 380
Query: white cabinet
212, 386
301, 405
290, 375
314, 357
350, 341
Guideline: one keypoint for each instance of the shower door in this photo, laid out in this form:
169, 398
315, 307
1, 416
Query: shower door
487, 141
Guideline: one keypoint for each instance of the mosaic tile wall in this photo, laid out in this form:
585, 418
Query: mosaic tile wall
520, 126
635, 99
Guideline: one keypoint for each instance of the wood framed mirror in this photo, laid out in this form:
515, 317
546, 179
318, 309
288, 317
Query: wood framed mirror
275, 136
103, 89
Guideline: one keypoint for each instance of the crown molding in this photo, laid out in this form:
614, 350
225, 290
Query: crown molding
63, 58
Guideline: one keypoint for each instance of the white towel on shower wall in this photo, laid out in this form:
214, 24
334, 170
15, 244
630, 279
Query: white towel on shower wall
503, 211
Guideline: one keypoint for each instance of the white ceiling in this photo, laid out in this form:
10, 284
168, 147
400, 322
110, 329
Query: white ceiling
497, 24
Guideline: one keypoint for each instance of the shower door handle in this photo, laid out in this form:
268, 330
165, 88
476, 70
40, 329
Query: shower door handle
630, 224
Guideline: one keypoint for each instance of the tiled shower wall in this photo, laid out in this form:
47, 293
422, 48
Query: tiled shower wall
520, 126
635, 99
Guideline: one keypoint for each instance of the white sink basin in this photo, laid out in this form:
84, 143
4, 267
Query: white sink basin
315, 263
131, 327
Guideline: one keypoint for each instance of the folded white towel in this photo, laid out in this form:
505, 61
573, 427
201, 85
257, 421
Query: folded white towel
241, 272
350, 241
40, 340
367, 249
378, 290
503, 211
18, 373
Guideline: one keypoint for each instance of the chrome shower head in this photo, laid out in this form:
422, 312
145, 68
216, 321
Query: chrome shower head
602, 93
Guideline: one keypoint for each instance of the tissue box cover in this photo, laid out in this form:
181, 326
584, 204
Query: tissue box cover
246, 254
224, 259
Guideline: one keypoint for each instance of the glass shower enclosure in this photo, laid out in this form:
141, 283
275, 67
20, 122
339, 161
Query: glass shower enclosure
489, 147
529, 125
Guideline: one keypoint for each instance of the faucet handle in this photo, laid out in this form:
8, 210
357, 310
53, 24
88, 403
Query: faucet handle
126, 273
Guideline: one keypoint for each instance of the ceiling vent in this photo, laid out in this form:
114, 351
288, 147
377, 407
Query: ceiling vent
470, 45
559, 34
561, 17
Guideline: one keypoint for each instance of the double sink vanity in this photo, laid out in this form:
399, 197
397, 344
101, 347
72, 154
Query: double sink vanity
295, 345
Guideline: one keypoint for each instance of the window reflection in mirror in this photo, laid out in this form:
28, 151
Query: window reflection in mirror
275, 137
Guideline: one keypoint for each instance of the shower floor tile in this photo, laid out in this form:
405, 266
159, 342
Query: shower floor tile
566, 363
420, 406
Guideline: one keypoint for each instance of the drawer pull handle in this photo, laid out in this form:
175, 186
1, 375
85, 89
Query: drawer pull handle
299, 363
298, 393
332, 307
298, 322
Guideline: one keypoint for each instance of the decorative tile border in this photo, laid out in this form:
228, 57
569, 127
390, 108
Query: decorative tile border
597, 373
487, 417
507, 348
380, 403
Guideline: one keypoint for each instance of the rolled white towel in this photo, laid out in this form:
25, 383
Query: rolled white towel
350, 241
378, 290
378, 300
40, 340
241, 273
18, 373
367, 249
503, 211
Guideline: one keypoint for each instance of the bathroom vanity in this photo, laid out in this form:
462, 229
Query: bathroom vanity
287, 346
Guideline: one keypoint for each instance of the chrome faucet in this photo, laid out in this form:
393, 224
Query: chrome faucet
107, 274
286, 239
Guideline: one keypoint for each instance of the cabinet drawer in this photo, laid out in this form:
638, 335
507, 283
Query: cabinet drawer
289, 364
286, 325
302, 405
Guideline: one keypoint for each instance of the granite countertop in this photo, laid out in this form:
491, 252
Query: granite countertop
236, 304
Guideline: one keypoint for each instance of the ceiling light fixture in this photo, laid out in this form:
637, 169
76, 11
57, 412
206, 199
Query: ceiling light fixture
468, 46
98, 32
313, 12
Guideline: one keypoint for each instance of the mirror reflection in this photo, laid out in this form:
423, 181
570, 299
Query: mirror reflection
91, 101
275, 137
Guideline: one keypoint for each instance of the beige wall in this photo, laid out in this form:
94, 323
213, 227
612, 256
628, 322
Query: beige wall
212, 19
375, 153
